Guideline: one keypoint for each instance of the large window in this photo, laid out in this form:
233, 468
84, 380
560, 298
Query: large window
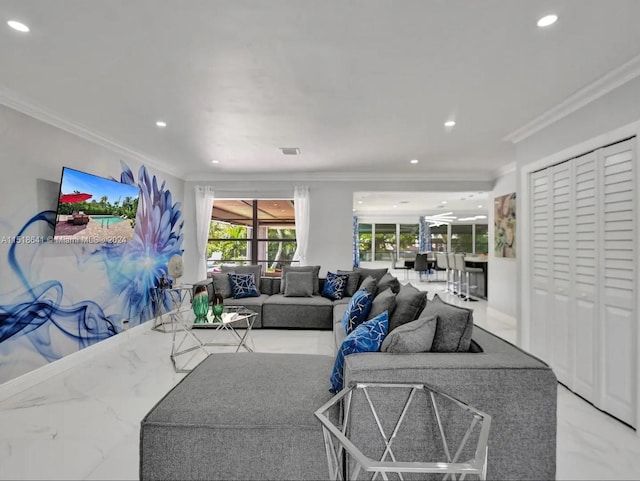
409, 241
482, 239
365, 241
439, 237
462, 238
385, 241
251, 232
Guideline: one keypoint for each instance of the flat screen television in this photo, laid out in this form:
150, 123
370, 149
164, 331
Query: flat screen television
94, 210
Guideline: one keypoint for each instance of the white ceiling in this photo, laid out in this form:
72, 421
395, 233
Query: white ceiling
361, 85
460, 204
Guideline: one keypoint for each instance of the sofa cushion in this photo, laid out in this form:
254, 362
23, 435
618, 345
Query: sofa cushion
385, 301
409, 304
314, 269
256, 269
367, 337
455, 326
243, 285
357, 310
414, 336
352, 283
334, 286
370, 284
221, 283
299, 284
388, 280
377, 274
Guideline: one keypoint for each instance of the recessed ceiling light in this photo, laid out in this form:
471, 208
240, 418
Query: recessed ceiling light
443, 202
395, 206
353, 210
547, 20
19, 26
414, 161
449, 123
359, 202
161, 123
213, 161
479, 206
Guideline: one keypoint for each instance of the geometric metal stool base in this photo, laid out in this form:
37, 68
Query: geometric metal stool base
347, 461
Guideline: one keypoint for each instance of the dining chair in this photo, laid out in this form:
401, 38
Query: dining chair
421, 265
398, 265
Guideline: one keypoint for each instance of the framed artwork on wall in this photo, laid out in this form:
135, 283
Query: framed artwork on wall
505, 225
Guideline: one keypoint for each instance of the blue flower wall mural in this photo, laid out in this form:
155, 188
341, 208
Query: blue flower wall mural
42, 320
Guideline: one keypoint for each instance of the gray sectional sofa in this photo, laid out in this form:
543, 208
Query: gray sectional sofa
516, 389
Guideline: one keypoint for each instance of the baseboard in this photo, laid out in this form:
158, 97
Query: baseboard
32, 378
501, 316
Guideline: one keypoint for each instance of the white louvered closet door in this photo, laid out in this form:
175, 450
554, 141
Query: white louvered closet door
586, 333
618, 319
560, 315
540, 261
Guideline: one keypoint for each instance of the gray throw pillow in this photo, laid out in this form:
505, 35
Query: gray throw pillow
388, 280
256, 269
314, 269
455, 326
385, 301
352, 284
414, 336
221, 283
409, 304
370, 284
375, 273
299, 284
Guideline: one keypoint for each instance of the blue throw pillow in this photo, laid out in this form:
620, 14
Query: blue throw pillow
357, 311
367, 337
335, 286
243, 285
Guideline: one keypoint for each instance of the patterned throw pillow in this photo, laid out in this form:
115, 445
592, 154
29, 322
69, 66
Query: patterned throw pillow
357, 310
335, 286
367, 337
243, 285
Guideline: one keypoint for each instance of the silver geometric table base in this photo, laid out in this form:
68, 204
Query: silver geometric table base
347, 461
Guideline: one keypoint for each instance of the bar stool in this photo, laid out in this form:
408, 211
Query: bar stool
451, 262
462, 268
442, 264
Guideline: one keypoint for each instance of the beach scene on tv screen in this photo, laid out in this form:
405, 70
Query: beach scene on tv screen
95, 210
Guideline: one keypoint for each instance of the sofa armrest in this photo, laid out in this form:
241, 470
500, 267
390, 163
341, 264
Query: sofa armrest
516, 389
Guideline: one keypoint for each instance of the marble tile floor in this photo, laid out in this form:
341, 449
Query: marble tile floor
83, 423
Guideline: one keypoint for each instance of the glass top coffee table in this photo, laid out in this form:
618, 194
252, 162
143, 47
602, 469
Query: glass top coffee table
192, 341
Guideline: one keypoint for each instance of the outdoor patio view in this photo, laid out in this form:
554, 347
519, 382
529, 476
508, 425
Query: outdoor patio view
252, 232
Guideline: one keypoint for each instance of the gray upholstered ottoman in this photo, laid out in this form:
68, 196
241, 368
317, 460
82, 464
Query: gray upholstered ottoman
240, 416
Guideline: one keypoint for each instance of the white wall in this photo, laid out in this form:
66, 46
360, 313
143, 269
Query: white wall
66, 284
585, 129
503, 277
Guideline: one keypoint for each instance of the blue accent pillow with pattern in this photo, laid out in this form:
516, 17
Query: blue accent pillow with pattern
357, 311
367, 337
243, 285
334, 286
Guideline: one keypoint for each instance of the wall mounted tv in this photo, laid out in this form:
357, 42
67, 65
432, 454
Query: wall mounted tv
94, 209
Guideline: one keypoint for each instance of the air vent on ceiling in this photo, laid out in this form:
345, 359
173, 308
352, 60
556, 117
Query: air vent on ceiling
290, 150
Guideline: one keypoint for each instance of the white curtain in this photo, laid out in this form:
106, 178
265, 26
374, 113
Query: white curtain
301, 207
204, 205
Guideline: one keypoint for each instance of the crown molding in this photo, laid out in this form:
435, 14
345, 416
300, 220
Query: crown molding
27, 107
505, 170
602, 86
